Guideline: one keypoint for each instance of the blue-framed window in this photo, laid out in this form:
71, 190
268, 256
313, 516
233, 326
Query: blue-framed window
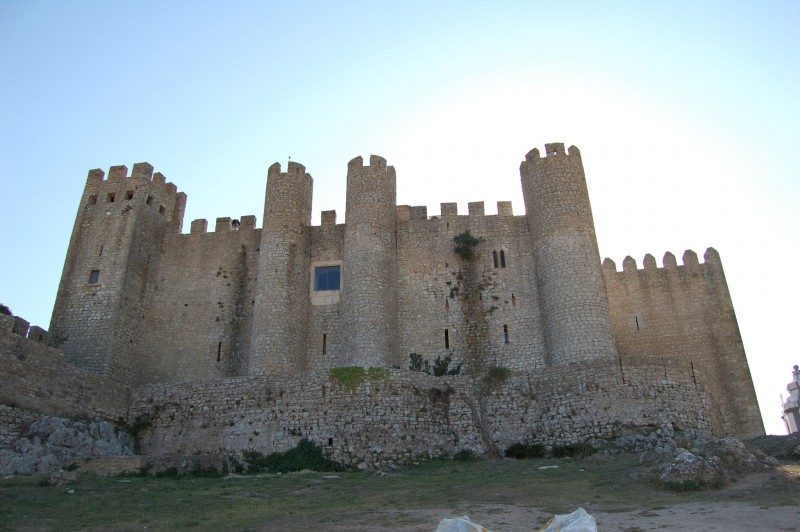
327, 278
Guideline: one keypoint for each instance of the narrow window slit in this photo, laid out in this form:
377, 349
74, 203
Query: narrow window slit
502, 259
324, 344
494, 258
505, 334
219, 351
446, 339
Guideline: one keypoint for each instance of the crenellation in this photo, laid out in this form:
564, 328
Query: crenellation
403, 213
690, 260
475, 208
145, 171
247, 222
418, 213
328, 217
629, 264
669, 261
95, 177
449, 209
223, 224
117, 173
504, 208
199, 226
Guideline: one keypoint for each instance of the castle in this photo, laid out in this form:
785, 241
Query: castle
212, 333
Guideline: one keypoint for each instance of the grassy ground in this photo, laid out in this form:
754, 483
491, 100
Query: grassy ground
416, 497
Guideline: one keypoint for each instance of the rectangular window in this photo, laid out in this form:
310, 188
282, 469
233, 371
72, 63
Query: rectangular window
327, 278
129, 195
94, 276
111, 196
446, 339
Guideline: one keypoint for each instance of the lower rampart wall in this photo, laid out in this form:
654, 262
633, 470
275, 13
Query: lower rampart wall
35, 377
398, 416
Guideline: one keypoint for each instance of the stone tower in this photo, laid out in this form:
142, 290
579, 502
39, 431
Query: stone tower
572, 292
115, 244
369, 313
280, 317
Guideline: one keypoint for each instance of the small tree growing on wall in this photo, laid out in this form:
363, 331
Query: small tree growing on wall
5, 310
465, 245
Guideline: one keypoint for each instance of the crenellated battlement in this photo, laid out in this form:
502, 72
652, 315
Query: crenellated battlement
376, 164
292, 169
690, 262
450, 210
142, 185
224, 224
552, 150
10, 324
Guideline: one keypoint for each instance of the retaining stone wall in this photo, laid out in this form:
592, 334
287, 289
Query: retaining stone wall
409, 415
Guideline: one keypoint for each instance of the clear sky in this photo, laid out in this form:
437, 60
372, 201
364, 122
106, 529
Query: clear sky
687, 115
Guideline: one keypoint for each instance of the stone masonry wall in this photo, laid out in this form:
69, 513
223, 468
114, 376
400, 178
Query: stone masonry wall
432, 294
686, 313
399, 416
37, 378
201, 297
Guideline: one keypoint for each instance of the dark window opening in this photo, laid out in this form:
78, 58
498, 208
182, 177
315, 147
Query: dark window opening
161, 209
505, 334
446, 304
94, 276
93, 199
219, 351
149, 199
327, 278
324, 344
330, 442
129, 195
502, 259
101, 251
513, 301
446, 339
111, 197
494, 258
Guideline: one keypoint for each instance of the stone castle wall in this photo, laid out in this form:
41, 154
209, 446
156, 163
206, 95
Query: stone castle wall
400, 416
37, 378
685, 313
200, 303
206, 307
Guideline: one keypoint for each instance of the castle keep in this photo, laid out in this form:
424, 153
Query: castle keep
213, 333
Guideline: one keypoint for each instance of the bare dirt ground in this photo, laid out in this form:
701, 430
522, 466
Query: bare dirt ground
721, 514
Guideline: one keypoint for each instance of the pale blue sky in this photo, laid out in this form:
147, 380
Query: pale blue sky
687, 115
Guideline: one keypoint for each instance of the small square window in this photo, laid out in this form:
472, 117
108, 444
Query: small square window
161, 209
327, 278
149, 200
93, 199
111, 197
94, 276
129, 195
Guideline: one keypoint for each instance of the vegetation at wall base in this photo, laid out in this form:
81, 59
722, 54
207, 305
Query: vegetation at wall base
350, 377
521, 451
305, 456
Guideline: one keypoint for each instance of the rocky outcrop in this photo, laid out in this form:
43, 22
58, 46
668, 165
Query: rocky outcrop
52, 443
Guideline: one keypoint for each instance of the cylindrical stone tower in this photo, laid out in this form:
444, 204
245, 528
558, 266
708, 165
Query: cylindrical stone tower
572, 292
369, 308
280, 317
